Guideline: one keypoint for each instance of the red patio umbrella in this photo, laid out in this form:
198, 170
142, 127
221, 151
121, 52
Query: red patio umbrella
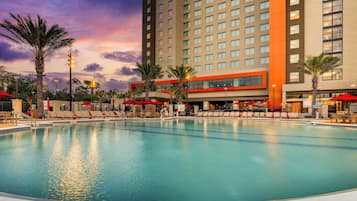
4, 94
130, 102
158, 103
86, 103
345, 97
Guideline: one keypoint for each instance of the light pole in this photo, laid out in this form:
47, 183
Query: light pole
71, 65
92, 87
273, 86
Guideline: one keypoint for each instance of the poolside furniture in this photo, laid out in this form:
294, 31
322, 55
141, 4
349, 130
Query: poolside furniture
227, 114
269, 115
276, 114
65, 115
284, 115
221, 114
293, 115
5, 116
200, 114
354, 118
256, 114
97, 114
250, 114
244, 114
111, 114
262, 114
84, 114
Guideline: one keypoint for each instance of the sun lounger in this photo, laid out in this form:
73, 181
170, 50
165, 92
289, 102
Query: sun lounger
276, 114
84, 114
284, 115
269, 115
97, 114
261, 114
293, 115
111, 114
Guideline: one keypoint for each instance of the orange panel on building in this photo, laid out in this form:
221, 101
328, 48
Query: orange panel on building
277, 52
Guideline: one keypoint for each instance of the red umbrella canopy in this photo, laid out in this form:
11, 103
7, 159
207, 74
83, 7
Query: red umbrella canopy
129, 101
345, 97
158, 103
86, 103
4, 94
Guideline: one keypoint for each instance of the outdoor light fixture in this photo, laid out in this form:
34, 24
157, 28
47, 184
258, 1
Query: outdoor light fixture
71, 65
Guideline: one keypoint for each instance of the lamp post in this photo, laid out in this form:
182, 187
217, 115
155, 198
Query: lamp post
71, 65
273, 86
92, 87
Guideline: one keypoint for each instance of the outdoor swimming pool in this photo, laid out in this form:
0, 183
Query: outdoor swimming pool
212, 159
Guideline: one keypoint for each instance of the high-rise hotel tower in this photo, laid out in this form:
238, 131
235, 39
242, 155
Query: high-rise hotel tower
248, 50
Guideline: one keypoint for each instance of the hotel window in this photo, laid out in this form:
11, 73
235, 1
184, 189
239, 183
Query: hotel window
249, 30
148, 10
148, 44
170, 41
264, 49
186, 61
294, 15
148, 18
169, 59
197, 22
209, 19
148, 35
169, 49
221, 45
335, 74
221, 65
264, 5
170, 4
247, 1
235, 22
235, 2
209, 28
249, 9
294, 29
161, 7
235, 43
235, 64
186, 52
148, 53
294, 76
197, 3
197, 59
197, 31
209, 67
170, 31
161, 24
186, 25
264, 27
148, 1
209, 9
209, 38
197, 13
222, 25
148, 27
249, 51
332, 46
221, 55
197, 41
186, 42
197, 50
186, 16
235, 32
186, 7
222, 5
264, 60
209, 1
235, 53
209, 57
294, 2
249, 62
222, 35
264, 16
161, 52
209, 48
197, 68
249, 41
161, 42
332, 33
235, 12
161, 15
186, 33
249, 19
294, 58
264, 38
332, 19
221, 16
294, 44
161, 34
170, 12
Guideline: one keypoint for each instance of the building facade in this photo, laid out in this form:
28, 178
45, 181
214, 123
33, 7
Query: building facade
247, 51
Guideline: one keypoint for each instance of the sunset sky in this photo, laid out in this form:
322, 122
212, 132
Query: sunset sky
107, 33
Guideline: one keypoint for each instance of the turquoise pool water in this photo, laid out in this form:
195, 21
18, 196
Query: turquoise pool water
217, 159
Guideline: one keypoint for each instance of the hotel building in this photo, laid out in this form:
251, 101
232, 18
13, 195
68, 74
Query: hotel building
248, 50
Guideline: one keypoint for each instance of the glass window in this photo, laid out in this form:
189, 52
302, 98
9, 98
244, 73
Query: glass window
235, 64
197, 41
235, 12
222, 35
209, 57
209, 48
221, 55
185, 33
332, 33
197, 49
186, 51
235, 32
249, 51
264, 38
264, 16
294, 44
249, 19
186, 25
264, 27
294, 29
197, 59
222, 25
186, 16
185, 60
235, 2
294, 76
249, 30
235, 22
209, 19
235, 43
209, 1
264, 49
197, 68
332, 20
249, 62
250, 41
294, 58
209, 66
209, 9
264, 60
249, 9
209, 38
221, 65
264, 5
222, 5
197, 13
294, 15
221, 16
197, 31
209, 28
294, 2
235, 53
197, 3
197, 22
221, 45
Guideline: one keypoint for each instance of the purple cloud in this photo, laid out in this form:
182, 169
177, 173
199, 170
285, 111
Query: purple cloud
115, 84
119, 7
134, 79
93, 67
127, 56
125, 71
8, 54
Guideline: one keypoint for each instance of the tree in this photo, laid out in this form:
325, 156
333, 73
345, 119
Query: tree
148, 74
316, 66
41, 39
182, 74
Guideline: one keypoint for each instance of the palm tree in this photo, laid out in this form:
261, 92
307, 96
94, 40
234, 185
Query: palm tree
316, 66
148, 73
112, 94
41, 39
182, 74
